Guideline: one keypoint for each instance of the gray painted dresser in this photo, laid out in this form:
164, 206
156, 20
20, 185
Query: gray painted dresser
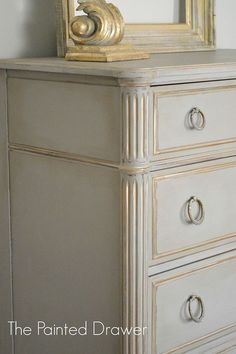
117, 204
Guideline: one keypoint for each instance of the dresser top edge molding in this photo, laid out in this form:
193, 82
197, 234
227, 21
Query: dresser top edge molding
160, 69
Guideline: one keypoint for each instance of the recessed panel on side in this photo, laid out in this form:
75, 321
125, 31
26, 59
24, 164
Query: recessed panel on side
66, 253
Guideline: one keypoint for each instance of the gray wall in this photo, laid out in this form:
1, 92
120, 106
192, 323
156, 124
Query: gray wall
161, 11
27, 28
226, 23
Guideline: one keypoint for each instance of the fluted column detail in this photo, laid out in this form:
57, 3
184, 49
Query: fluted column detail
135, 129
134, 215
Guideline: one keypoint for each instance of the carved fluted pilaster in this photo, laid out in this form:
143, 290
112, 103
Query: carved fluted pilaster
135, 148
135, 199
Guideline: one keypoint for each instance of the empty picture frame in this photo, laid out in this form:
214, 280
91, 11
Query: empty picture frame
194, 32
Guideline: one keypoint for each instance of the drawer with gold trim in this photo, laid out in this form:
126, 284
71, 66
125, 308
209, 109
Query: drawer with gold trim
192, 305
193, 209
193, 118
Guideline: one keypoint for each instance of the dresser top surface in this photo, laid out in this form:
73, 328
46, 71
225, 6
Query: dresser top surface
159, 69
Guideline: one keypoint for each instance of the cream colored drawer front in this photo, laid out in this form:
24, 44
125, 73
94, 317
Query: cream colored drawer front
172, 231
172, 130
172, 327
69, 117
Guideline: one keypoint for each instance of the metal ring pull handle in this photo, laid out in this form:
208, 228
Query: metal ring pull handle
201, 313
196, 220
197, 119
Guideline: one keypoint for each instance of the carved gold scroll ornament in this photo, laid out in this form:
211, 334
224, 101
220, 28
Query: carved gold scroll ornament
98, 33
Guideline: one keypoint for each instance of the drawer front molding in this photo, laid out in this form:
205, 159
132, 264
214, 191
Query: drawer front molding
158, 256
170, 138
201, 272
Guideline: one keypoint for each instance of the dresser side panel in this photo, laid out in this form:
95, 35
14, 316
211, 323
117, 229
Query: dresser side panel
6, 343
67, 252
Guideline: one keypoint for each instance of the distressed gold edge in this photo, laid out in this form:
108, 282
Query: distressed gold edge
156, 285
226, 85
197, 248
196, 146
61, 155
69, 156
196, 170
230, 328
155, 234
198, 158
225, 351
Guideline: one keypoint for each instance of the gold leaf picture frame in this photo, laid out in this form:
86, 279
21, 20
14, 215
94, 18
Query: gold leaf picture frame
197, 33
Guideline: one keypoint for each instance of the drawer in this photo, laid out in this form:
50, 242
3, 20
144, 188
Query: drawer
193, 209
65, 116
190, 306
194, 116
